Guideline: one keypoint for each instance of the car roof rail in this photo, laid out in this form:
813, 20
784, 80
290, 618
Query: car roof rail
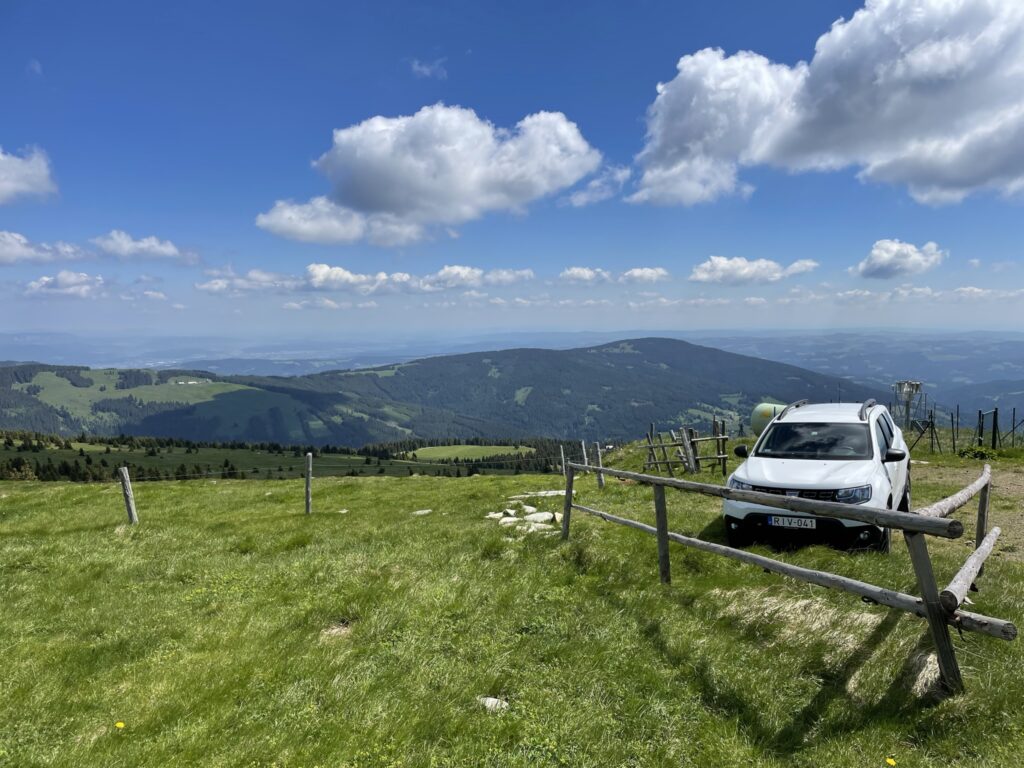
791, 407
867, 406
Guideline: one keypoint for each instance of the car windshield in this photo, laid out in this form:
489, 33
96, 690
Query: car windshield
816, 441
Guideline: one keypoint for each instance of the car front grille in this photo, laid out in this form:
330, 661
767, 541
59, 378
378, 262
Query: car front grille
803, 493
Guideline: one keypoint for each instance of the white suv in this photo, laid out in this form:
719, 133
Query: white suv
847, 452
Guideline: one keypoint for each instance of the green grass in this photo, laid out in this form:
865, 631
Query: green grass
201, 629
470, 452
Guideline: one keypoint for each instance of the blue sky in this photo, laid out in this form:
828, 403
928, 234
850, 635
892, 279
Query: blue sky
485, 166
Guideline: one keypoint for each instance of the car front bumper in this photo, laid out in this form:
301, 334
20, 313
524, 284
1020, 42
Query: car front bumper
752, 521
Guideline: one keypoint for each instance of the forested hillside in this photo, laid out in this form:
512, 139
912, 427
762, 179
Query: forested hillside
613, 391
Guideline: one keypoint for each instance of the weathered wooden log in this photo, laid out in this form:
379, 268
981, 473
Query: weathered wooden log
952, 597
600, 463
661, 521
570, 474
309, 483
972, 622
950, 504
950, 529
129, 496
949, 670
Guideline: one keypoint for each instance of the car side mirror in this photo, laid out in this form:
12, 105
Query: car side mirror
741, 451
894, 454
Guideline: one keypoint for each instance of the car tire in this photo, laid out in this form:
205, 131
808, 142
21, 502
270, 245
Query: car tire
737, 539
904, 505
885, 543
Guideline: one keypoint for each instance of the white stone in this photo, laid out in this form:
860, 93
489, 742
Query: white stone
528, 509
509, 521
539, 493
421, 512
539, 517
509, 512
494, 515
492, 704
342, 511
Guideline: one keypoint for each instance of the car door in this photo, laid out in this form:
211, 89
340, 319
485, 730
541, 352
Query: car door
901, 467
891, 468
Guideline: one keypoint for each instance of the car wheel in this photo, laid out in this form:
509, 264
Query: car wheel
885, 543
904, 505
737, 539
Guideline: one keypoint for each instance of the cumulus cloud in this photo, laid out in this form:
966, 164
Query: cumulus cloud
155, 295
27, 175
394, 177
644, 275
119, 243
585, 275
64, 283
606, 185
508, 276
923, 93
433, 69
755, 301
737, 270
16, 248
227, 282
893, 258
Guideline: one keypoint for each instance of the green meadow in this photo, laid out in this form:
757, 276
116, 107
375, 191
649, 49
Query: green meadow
230, 629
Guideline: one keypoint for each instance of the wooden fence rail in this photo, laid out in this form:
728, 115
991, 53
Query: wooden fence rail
940, 610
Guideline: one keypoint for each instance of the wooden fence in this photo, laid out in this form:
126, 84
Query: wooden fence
687, 454
941, 609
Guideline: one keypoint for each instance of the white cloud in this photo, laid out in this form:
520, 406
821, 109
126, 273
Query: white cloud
508, 276
585, 275
65, 283
607, 184
326, 277
644, 275
119, 243
25, 176
16, 248
227, 282
737, 270
155, 295
433, 69
755, 301
974, 263
923, 93
893, 258
394, 177
34, 67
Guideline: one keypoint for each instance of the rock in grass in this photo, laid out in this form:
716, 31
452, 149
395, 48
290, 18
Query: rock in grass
528, 509
509, 521
534, 527
539, 517
492, 704
494, 516
421, 512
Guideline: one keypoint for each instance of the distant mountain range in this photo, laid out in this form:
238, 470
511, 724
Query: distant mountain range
611, 391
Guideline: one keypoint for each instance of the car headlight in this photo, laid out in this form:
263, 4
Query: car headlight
739, 485
856, 495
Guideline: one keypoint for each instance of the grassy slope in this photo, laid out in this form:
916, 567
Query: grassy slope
201, 630
468, 452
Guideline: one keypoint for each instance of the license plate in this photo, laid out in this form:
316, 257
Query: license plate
792, 522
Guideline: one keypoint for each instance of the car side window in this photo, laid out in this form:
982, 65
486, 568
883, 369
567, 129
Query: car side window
887, 428
882, 437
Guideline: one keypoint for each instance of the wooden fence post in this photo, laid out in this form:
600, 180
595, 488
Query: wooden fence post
567, 507
661, 523
949, 670
561, 449
129, 497
995, 427
600, 463
981, 529
583, 445
309, 483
